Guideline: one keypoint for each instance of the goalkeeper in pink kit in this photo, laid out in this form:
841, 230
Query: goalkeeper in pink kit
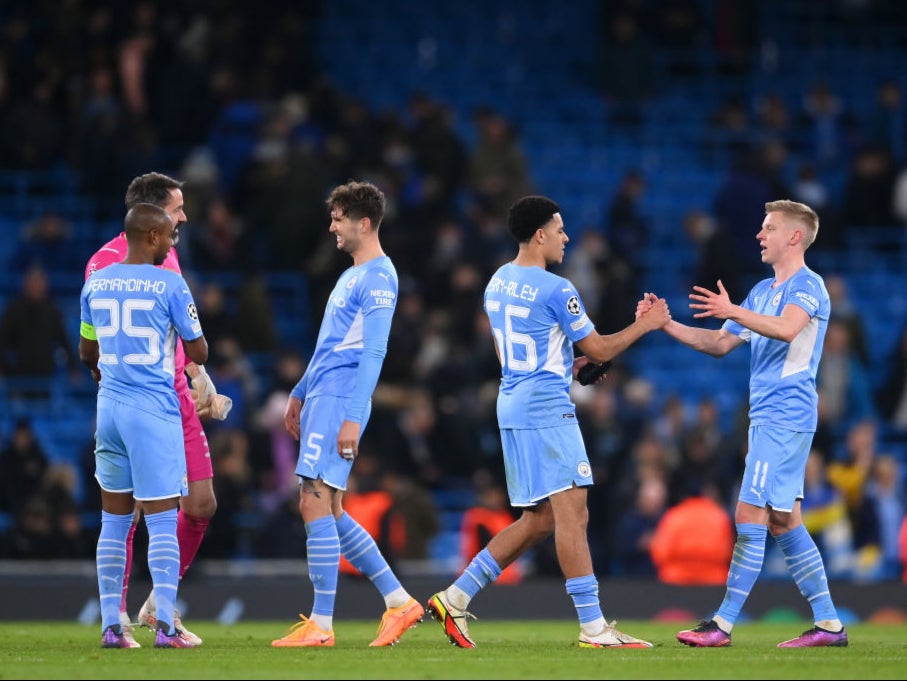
196, 509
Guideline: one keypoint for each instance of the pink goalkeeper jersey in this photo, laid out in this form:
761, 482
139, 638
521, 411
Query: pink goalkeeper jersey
115, 251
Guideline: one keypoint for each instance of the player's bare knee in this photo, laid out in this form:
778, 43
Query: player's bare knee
204, 507
315, 498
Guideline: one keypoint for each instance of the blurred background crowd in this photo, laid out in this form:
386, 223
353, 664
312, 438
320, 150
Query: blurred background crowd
660, 126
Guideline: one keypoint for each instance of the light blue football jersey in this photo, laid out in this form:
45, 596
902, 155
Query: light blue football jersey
535, 316
783, 375
365, 290
137, 312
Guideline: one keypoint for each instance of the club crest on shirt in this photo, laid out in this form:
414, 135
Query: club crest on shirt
573, 306
584, 469
776, 299
351, 283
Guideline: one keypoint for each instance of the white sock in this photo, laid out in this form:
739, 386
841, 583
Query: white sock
723, 624
397, 598
324, 622
457, 598
594, 628
830, 625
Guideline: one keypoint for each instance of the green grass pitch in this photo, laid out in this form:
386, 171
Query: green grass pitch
538, 649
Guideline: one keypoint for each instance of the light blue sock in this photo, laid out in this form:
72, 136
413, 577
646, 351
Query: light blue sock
110, 558
164, 563
749, 552
481, 571
358, 547
323, 553
584, 592
804, 562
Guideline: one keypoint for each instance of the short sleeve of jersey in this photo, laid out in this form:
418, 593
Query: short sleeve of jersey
84, 310
378, 291
568, 309
806, 292
183, 310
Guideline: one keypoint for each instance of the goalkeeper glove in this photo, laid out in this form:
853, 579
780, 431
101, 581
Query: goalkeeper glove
204, 394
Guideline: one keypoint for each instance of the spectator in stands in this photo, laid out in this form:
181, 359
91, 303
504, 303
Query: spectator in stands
773, 120
892, 395
34, 128
609, 445
23, 464
700, 464
74, 540
416, 512
869, 191
497, 172
736, 35
694, 540
826, 125
845, 311
880, 517
850, 473
235, 378
439, 154
716, 255
214, 307
888, 123
234, 487
633, 536
258, 331
626, 225
33, 340
730, 132
680, 30
277, 481
627, 73
46, 243
843, 380
33, 537
739, 201
221, 241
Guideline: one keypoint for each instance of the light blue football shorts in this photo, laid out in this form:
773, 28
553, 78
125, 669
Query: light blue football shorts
139, 452
775, 467
319, 425
540, 462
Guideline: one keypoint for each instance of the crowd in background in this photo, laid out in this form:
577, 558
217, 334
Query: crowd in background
232, 99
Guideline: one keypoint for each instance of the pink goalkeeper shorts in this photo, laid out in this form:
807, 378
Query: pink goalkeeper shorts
198, 456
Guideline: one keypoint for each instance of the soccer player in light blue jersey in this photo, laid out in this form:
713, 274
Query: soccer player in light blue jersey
327, 412
132, 313
536, 318
783, 319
